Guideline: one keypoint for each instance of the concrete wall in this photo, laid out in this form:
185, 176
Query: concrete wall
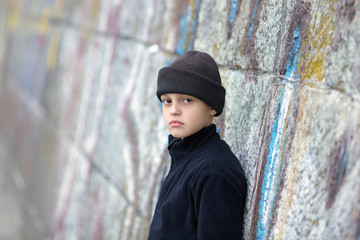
82, 142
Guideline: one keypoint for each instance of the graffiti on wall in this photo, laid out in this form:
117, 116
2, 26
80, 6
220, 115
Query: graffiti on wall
81, 130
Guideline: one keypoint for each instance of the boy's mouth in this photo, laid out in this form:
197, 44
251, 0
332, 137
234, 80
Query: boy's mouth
175, 123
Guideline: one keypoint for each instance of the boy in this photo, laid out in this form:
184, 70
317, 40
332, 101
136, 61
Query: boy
204, 193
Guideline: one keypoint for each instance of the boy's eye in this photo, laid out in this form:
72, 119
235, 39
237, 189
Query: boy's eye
166, 101
187, 100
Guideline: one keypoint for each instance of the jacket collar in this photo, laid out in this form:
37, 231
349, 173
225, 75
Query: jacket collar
180, 148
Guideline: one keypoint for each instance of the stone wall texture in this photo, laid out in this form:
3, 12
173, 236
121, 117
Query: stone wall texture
82, 141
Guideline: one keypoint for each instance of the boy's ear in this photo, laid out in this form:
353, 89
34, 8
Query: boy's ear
212, 112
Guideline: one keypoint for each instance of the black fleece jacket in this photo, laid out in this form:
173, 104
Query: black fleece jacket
204, 193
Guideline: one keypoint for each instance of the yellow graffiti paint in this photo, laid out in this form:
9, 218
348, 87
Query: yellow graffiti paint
95, 9
13, 15
43, 25
315, 50
58, 9
52, 53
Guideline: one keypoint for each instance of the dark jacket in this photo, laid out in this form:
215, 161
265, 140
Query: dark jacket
204, 193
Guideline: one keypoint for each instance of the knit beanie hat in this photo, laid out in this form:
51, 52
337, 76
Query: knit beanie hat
195, 74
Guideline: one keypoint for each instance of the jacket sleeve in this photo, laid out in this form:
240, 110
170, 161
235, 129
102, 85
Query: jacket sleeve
219, 207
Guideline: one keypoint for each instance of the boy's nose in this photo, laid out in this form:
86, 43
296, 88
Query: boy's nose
175, 109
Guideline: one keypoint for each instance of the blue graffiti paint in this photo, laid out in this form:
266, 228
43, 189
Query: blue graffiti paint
284, 152
233, 7
169, 62
183, 33
271, 175
263, 224
160, 106
28, 69
253, 20
186, 43
293, 100
294, 54
283, 158
343, 165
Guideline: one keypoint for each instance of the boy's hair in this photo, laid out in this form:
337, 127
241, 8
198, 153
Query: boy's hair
195, 74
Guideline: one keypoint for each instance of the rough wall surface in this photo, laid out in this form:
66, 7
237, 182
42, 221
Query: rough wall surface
82, 142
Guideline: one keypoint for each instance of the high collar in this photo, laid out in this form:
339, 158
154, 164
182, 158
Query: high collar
180, 148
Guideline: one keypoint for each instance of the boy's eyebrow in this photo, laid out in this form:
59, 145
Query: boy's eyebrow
180, 95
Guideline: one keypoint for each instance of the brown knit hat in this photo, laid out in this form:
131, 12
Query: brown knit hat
195, 74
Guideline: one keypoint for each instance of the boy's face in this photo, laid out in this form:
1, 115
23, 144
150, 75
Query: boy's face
185, 115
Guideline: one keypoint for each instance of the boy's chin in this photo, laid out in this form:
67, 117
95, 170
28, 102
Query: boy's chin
178, 134
181, 133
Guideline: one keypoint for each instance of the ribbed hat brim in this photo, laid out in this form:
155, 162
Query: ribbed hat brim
173, 80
